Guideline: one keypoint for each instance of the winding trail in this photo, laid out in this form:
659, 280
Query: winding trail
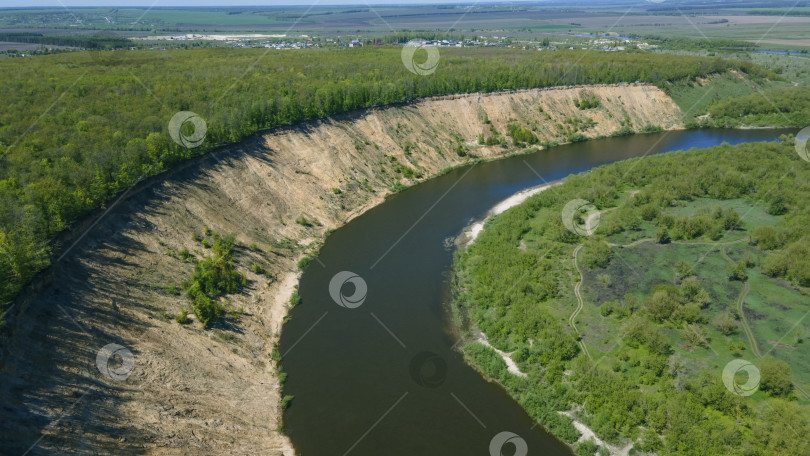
746, 328
580, 304
739, 306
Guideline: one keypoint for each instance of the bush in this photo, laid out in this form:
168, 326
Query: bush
286, 402
767, 238
214, 276
737, 271
726, 324
662, 236
596, 254
776, 377
295, 299
521, 136
258, 269
587, 100
182, 318
586, 448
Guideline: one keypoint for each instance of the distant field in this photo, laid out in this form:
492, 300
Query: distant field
772, 27
174, 17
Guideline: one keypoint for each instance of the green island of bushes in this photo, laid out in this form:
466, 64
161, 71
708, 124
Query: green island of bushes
701, 257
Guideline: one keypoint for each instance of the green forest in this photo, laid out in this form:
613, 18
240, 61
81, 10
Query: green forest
78, 129
700, 258
777, 107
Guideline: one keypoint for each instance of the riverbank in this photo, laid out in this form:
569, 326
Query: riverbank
468, 236
280, 192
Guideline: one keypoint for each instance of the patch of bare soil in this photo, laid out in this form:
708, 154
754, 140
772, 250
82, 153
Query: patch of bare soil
190, 390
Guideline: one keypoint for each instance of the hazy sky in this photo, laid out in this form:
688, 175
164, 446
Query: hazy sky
192, 3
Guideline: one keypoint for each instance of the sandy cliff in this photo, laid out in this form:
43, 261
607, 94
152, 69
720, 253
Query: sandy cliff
216, 391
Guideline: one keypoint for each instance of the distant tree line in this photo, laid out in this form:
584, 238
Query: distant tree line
89, 41
697, 44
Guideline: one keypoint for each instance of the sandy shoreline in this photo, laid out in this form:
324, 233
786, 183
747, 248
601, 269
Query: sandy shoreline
470, 233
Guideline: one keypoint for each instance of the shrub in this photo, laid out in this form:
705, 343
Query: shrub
767, 238
258, 269
304, 262
662, 236
521, 135
172, 290
737, 271
726, 324
586, 448
596, 254
295, 299
214, 276
286, 402
182, 318
587, 100
776, 377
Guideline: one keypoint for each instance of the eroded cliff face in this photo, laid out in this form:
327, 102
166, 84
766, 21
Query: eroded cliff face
216, 391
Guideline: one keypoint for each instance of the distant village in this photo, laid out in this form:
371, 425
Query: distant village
302, 42
552, 43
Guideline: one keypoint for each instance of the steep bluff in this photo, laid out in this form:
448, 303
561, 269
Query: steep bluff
217, 390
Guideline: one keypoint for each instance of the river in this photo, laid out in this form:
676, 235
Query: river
379, 376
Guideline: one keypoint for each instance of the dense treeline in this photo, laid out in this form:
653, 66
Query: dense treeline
520, 266
106, 40
788, 107
77, 129
697, 44
404, 37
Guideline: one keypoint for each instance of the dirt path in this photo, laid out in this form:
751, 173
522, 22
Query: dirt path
641, 241
511, 365
752, 341
746, 328
580, 304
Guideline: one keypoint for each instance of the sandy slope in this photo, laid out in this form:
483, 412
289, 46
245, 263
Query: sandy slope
195, 391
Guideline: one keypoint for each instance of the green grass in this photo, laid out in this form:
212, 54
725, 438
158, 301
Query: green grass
694, 98
777, 312
752, 214
774, 309
741, 32
199, 17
